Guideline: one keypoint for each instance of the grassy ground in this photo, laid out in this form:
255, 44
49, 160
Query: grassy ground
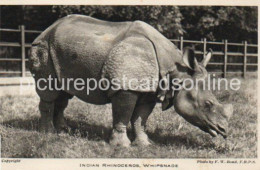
91, 125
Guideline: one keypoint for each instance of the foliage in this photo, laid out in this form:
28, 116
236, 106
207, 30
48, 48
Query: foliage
166, 19
193, 22
218, 23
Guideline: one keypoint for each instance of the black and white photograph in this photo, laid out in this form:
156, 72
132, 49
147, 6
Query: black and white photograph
126, 82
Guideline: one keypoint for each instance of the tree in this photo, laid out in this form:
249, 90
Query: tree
218, 23
166, 19
193, 22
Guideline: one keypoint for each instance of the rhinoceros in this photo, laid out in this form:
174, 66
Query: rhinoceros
79, 46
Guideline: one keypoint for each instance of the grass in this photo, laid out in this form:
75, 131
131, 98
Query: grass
90, 128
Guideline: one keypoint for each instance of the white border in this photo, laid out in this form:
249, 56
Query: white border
184, 164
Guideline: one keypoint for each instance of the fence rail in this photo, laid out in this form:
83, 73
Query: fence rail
225, 53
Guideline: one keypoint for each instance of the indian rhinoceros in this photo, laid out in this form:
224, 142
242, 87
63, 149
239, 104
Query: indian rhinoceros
80, 46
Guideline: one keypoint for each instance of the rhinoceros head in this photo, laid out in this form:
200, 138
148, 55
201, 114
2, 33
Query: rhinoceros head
198, 105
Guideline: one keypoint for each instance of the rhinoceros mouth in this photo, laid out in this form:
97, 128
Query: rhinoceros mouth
213, 133
215, 130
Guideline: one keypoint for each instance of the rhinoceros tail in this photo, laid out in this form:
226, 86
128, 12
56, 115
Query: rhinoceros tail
38, 56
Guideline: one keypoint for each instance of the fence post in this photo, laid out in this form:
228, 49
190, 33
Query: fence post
204, 47
181, 43
23, 49
225, 58
245, 59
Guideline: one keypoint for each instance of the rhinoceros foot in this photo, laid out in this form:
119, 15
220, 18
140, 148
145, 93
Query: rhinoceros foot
61, 125
142, 140
119, 139
46, 126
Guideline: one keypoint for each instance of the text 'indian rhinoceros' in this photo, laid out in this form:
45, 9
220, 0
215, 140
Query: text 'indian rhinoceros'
79, 46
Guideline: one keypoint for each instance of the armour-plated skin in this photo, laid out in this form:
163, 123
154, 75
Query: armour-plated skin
79, 46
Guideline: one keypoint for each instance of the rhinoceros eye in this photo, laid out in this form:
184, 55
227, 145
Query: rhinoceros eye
208, 103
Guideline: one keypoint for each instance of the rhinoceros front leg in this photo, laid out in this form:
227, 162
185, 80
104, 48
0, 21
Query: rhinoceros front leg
123, 104
138, 122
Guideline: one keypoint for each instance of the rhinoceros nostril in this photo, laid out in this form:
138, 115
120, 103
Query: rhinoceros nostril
221, 128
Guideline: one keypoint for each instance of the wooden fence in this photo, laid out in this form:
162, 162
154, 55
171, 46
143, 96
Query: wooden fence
179, 42
20, 44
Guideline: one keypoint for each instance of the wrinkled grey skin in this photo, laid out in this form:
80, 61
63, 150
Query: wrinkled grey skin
59, 52
200, 107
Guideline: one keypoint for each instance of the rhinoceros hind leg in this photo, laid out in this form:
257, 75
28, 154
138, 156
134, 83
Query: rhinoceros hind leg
123, 104
46, 107
60, 105
46, 120
138, 122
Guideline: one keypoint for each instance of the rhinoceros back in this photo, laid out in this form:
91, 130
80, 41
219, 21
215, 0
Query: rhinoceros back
76, 47
83, 47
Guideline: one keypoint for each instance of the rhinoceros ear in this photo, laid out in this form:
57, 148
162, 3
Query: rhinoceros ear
189, 57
